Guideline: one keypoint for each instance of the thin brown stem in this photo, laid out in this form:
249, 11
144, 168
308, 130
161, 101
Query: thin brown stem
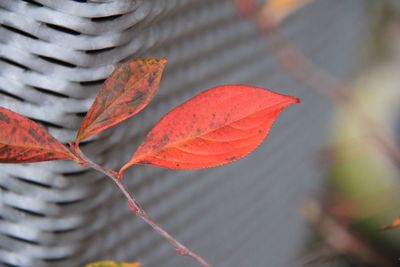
136, 208
340, 237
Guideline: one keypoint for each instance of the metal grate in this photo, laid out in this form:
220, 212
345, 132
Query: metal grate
54, 55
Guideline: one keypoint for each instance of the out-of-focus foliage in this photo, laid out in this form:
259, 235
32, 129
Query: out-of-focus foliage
365, 177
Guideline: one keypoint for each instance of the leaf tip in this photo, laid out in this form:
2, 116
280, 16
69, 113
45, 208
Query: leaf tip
289, 100
163, 60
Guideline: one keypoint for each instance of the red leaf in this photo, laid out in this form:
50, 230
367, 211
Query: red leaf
218, 126
23, 140
275, 11
126, 92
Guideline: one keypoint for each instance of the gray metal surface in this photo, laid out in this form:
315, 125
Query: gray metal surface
54, 55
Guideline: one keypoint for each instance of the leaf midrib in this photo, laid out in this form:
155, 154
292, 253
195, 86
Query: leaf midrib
38, 148
113, 101
191, 139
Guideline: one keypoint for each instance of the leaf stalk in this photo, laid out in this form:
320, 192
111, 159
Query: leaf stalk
135, 207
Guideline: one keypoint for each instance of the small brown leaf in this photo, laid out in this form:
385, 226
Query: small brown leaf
23, 140
125, 93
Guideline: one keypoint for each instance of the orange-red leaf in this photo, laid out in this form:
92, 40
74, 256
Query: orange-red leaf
126, 92
276, 11
23, 140
218, 126
112, 264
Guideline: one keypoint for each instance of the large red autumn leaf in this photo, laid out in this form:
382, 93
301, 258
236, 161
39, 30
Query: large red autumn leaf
23, 140
218, 126
126, 92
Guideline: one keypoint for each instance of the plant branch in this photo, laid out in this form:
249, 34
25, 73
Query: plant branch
135, 207
339, 236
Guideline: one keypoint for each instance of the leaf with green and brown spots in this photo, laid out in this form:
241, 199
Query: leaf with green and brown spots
112, 264
216, 127
128, 90
23, 140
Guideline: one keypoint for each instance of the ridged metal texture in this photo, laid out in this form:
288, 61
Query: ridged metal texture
55, 55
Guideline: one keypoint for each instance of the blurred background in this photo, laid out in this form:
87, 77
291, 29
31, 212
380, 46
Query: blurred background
322, 190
